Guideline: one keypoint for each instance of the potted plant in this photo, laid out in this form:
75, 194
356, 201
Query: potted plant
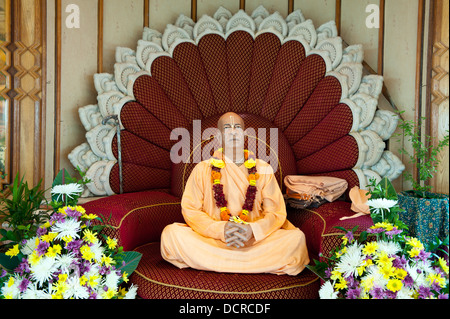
20, 216
426, 213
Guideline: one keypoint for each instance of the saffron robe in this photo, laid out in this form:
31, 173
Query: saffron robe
278, 247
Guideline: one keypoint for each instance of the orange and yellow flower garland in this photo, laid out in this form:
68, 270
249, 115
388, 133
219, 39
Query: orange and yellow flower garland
217, 164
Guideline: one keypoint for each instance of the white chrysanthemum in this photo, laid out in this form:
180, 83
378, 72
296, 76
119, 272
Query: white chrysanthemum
112, 280
75, 289
425, 266
416, 274
29, 246
374, 274
69, 227
69, 190
132, 292
64, 262
33, 292
389, 247
381, 203
98, 250
327, 291
351, 260
405, 293
11, 290
43, 270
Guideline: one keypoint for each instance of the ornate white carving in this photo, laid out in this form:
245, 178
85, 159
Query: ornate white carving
207, 25
334, 47
274, 22
353, 53
327, 30
151, 35
222, 15
83, 157
90, 116
144, 49
384, 123
368, 105
353, 72
375, 145
389, 166
370, 126
174, 35
99, 173
259, 14
104, 82
306, 30
100, 138
107, 100
294, 18
240, 21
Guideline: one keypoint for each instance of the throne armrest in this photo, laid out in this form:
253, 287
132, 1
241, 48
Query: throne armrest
137, 218
319, 226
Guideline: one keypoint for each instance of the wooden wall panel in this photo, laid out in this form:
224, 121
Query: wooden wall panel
439, 114
28, 106
210, 7
319, 11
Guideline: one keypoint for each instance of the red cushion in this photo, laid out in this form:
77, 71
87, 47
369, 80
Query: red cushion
137, 218
158, 279
318, 225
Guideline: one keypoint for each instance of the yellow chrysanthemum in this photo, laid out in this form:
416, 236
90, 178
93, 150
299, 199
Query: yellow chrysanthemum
93, 281
394, 285
414, 252
13, 251
370, 248
443, 264
436, 278
83, 280
49, 237
80, 209
108, 261
342, 284
125, 277
90, 236
34, 258
367, 283
10, 282
89, 216
387, 272
111, 242
414, 242
86, 253
335, 275
400, 273
384, 260
53, 251
109, 294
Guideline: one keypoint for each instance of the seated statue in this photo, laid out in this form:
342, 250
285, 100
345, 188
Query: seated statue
235, 215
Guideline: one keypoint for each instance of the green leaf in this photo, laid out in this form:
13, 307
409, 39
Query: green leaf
131, 260
9, 263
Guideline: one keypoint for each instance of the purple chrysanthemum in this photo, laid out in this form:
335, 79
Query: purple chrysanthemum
42, 248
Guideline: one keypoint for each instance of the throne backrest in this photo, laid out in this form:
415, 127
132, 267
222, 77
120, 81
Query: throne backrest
277, 73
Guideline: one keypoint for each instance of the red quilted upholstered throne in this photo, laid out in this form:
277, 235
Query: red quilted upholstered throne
276, 73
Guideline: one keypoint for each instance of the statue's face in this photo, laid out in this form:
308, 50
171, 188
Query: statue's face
232, 129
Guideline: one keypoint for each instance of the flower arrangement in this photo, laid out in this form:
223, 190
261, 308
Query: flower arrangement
67, 259
384, 262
